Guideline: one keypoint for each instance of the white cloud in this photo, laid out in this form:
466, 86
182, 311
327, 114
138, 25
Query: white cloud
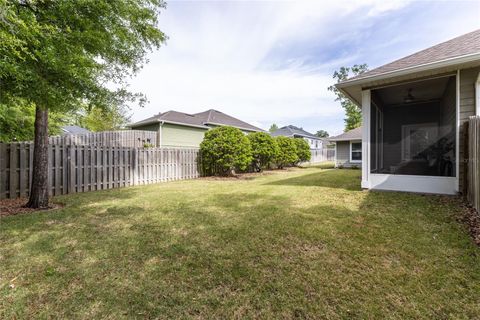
218, 56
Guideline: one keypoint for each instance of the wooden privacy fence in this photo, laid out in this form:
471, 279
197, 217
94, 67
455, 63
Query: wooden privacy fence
472, 155
322, 155
75, 168
120, 138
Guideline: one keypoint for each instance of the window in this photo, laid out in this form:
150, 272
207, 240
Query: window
355, 151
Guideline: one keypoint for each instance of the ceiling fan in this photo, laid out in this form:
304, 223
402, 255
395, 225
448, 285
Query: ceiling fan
409, 98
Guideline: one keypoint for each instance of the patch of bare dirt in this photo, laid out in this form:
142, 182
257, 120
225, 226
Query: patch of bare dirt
10, 207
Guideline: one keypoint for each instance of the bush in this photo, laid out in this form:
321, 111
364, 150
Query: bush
303, 150
224, 150
264, 149
287, 152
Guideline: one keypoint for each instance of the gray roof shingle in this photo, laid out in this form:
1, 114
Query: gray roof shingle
354, 134
219, 118
291, 131
201, 119
460, 46
66, 130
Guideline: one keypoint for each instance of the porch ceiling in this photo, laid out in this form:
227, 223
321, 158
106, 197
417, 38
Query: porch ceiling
353, 89
421, 91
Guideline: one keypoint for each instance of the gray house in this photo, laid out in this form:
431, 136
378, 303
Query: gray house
294, 132
178, 129
413, 114
348, 149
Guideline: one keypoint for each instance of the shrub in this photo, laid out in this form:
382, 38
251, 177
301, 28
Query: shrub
224, 150
287, 152
264, 149
303, 150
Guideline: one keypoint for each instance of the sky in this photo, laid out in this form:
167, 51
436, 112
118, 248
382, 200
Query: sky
270, 62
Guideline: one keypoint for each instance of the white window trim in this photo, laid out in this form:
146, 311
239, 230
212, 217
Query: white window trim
352, 142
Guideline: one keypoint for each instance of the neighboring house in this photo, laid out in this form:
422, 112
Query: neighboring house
413, 112
294, 132
178, 129
348, 148
68, 130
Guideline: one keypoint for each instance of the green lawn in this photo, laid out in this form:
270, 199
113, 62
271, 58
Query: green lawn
303, 243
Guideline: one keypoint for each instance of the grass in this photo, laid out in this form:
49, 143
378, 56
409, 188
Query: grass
304, 243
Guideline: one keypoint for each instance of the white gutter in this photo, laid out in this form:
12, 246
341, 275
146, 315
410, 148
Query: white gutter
418, 68
346, 139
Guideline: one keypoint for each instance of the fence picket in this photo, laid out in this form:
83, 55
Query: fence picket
13, 170
3, 171
57, 168
23, 170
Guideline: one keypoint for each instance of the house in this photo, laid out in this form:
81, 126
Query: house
294, 132
178, 129
348, 148
413, 113
68, 130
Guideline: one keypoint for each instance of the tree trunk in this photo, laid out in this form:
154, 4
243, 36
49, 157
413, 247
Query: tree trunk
39, 189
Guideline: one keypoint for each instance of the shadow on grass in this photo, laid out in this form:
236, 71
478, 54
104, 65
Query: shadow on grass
243, 252
327, 179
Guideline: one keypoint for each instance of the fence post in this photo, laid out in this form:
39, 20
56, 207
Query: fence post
3, 171
466, 161
134, 166
71, 168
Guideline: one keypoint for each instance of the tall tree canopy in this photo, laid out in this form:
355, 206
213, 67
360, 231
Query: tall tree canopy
58, 55
273, 128
322, 134
102, 119
353, 114
17, 121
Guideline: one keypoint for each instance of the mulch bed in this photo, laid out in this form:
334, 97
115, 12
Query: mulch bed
240, 176
471, 218
10, 207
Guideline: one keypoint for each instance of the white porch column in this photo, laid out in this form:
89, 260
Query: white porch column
366, 101
477, 95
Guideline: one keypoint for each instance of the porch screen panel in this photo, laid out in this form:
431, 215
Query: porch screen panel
414, 128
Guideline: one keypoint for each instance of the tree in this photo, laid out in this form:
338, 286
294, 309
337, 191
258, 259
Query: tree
303, 150
57, 55
273, 128
353, 114
103, 119
322, 134
224, 150
287, 152
264, 148
17, 121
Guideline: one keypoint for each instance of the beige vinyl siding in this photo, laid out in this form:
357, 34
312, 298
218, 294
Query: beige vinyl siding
343, 155
181, 136
468, 78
